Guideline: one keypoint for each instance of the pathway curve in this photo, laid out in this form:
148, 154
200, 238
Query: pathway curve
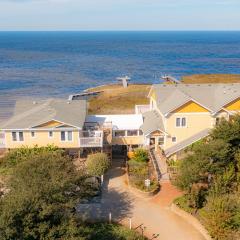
153, 213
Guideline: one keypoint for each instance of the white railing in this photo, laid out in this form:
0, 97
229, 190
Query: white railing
2, 140
91, 138
140, 109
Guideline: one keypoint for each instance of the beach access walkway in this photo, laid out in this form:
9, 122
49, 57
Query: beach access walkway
149, 215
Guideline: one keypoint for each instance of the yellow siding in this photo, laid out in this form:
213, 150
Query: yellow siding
195, 124
191, 107
42, 139
50, 124
128, 140
234, 106
153, 96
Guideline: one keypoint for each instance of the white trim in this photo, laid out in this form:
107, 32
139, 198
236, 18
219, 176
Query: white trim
63, 123
186, 120
34, 134
191, 99
49, 134
66, 136
17, 136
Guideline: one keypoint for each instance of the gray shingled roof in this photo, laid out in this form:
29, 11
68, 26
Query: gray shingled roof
181, 145
211, 96
28, 114
152, 121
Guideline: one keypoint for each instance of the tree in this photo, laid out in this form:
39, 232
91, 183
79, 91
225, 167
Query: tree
43, 193
97, 164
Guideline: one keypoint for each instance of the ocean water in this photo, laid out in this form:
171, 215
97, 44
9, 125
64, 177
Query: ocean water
53, 64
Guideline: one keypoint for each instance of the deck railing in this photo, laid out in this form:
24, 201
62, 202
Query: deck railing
91, 138
140, 109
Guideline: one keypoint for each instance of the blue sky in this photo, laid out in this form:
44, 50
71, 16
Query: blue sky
119, 14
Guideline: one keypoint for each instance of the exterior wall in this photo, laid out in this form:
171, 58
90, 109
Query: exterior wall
42, 139
138, 140
196, 122
191, 107
234, 106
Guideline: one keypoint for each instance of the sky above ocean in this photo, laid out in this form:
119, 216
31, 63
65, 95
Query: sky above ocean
50, 64
119, 15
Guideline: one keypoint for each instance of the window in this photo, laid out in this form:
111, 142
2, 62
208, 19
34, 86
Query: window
17, 136
174, 139
178, 122
50, 134
14, 136
119, 133
181, 122
131, 133
161, 141
32, 134
69, 135
66, 136
20, 135
140, 132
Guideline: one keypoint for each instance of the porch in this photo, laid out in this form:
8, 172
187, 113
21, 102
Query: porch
91, 139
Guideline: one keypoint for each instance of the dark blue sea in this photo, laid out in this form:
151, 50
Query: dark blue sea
46, 64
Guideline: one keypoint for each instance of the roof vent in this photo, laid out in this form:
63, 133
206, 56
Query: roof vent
68, 102
34, 102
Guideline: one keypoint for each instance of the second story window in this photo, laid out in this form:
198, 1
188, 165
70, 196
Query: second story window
66, 136
17, 136
32, 134
181, 122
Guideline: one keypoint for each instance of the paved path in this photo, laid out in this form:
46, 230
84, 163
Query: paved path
153, 213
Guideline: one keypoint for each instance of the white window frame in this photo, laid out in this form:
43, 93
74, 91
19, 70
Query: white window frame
181, 119
125, 133
49, 134
18, 136
135, 130
33, 134
66, 133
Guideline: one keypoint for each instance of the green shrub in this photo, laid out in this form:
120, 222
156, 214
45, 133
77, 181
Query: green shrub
97, 164
141, 155
221, 216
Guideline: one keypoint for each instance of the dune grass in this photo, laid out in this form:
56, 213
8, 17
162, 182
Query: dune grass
212, 78
118, 100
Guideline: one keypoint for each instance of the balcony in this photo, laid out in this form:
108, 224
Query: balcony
91, 139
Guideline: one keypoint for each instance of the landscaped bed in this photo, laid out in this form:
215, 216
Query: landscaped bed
141, 172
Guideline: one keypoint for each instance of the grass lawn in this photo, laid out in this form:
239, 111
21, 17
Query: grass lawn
212, 78
118, 100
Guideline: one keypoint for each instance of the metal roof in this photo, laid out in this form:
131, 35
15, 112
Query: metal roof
211, 96
28, 114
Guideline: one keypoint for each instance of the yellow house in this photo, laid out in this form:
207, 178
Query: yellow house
182, 114
53, 121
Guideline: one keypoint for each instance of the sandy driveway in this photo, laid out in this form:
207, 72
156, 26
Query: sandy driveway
153, 213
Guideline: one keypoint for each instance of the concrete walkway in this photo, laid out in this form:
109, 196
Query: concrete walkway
153, 213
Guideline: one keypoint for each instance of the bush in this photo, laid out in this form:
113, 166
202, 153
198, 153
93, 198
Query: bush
221, 216
141, 155
97, 164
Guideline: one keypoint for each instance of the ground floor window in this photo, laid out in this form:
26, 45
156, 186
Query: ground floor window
120, 133
17, 136
161, 141
66, 136
131, 133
